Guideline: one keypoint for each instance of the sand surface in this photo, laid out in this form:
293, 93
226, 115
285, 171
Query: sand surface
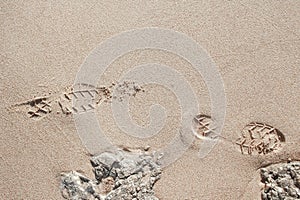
255, 45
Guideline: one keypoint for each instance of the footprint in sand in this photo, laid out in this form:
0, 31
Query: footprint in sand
87, 98
256, 138
260, 138
203, 127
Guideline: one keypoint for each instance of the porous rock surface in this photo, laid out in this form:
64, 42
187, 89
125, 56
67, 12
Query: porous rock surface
120, 175
281, 181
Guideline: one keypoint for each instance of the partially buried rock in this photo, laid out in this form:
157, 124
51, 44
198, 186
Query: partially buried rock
75, 186
134, 174
120, 175
281, 181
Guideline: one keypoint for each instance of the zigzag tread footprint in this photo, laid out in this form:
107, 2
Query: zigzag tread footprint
36, 108
260, 138
87, 97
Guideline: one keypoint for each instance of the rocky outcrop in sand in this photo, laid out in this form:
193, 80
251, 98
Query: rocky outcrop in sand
281, 181
119, 175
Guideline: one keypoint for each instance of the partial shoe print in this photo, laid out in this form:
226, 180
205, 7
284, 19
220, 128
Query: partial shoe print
203, 127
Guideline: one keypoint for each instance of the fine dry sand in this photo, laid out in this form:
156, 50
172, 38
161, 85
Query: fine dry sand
255, 46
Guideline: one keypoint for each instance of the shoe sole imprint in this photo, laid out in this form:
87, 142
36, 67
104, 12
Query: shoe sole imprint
260, 138
88, 96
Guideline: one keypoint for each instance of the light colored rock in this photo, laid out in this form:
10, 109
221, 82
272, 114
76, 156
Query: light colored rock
119, 175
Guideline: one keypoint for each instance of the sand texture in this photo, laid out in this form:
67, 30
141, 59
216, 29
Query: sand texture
254, 44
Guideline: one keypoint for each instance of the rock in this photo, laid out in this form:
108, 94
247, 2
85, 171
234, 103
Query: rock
119, 175
281, 181
75, 186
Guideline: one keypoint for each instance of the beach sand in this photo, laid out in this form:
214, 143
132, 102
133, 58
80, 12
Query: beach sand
255, 46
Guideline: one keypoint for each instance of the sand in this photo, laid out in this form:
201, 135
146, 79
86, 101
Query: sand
255, 46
